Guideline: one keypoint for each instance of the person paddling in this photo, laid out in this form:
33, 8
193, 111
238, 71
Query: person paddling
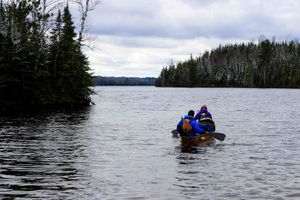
188, 126
203, 113
205, 119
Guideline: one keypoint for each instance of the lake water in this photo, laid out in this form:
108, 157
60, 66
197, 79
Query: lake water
122, 147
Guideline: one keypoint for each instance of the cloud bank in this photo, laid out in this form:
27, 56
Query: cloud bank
139, 37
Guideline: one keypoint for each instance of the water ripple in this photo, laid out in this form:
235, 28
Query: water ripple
122, 147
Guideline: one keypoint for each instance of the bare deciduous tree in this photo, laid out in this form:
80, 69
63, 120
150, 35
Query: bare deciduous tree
84, 6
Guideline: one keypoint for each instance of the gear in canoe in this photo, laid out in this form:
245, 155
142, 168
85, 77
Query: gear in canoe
195, 132
188, 126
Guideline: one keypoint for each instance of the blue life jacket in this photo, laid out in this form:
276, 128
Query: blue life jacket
196, 128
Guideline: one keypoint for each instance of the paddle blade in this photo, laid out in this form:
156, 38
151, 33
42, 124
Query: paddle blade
175, 133
219, 136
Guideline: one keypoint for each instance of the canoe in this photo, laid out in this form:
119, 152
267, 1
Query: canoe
202, 139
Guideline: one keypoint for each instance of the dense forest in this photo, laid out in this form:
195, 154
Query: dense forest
265, 64
41, 58
124, 81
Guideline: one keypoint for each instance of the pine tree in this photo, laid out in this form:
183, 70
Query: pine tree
71, 74
268, 64
33, 70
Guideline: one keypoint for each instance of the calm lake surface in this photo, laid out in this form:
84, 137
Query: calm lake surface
122, 147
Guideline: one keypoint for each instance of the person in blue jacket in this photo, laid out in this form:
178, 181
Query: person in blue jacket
188, 126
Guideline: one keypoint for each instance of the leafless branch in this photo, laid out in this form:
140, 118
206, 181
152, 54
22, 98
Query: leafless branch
84, 7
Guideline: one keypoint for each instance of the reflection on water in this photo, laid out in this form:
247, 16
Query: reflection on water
122, 147
38, 155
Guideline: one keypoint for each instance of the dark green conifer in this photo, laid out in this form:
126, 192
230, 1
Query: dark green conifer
268, 64
35, 71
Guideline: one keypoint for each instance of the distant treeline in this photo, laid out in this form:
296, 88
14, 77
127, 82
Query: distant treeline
266, 64
41, 61
126, 81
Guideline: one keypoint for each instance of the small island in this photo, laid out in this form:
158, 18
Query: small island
41, 59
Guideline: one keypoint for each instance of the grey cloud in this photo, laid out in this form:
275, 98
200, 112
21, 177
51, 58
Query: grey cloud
149, 33
150, 18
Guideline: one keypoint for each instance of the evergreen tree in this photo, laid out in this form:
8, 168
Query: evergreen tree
72, 74
268, 64
35, 71
55, 57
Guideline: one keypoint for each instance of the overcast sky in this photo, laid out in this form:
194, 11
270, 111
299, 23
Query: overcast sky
139, 37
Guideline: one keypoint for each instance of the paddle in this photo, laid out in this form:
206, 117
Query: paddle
175, 133
218, 136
